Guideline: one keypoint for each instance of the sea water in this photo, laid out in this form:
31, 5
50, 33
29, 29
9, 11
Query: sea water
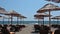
29, 22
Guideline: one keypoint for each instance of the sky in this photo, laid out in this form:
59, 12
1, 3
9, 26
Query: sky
27, 8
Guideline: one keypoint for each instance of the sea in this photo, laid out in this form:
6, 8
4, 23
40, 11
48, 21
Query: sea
29, 22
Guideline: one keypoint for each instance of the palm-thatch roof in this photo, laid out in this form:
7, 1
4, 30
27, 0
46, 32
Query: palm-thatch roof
56, 1
2, 11
49, 7
41, 15
13, 13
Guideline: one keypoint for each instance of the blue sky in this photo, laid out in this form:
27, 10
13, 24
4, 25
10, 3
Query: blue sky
26, 7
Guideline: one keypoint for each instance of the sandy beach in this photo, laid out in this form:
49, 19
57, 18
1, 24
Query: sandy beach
30, 28
27, 30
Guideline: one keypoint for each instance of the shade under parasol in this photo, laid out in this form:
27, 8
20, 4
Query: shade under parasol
48, 8
13, 13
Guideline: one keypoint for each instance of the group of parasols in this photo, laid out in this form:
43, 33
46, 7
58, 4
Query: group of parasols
41, 13
10, 15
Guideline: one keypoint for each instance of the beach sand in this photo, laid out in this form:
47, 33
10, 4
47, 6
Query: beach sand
27, 30
30, 28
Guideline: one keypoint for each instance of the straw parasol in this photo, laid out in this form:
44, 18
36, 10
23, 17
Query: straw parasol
42, 15
56, 1
38, 17
35, 17
2, 10
22, 17
48, 8
56, 19
13, 13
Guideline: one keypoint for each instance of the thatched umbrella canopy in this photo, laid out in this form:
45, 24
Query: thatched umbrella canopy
22, 17
2, 11
38, 17
42, 15
55, 18
58, 18
13, 13
48, 8
56, 1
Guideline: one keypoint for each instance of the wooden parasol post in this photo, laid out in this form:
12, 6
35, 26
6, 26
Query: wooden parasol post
3, 20
57, 21
11, 20
38, 21
43, 20
17, 20
49, 18
8, 21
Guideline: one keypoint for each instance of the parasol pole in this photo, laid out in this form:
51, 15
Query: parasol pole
53, 21
3, 20
17, 20
23, 20
20, 21
57, 21
49, 18
38, 21
11, 20
8, 20
43, 20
